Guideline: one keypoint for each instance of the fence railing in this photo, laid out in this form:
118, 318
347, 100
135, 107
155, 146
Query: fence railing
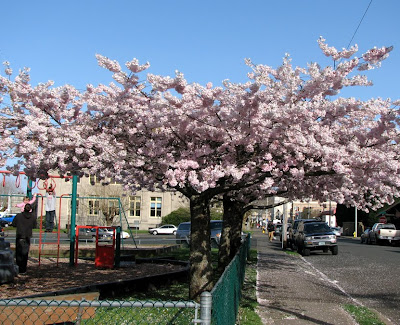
97, 312
219, 307
226, 293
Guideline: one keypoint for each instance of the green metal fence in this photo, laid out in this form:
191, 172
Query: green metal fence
226, 293
96, 312
219, 307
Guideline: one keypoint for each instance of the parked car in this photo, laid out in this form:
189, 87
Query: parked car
216, 230
6, 220
365, 236
383, 233
90, 234
183, 233
317, 235
288, 227
163, 230
337, 231
123, 234
293, 231
278, 230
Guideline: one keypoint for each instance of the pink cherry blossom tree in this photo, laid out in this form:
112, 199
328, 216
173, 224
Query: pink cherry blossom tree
284, 130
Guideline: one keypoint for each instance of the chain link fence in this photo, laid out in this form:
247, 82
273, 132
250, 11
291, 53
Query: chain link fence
226, 293
219, 307
96, 312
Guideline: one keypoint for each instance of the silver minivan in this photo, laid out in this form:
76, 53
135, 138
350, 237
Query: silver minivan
183, 232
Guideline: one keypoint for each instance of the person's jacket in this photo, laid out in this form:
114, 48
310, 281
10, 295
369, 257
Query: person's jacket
24, 222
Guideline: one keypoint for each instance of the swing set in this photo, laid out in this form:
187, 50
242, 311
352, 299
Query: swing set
51, 183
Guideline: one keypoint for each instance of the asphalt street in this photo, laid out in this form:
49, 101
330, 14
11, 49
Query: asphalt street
368, 273
312, 290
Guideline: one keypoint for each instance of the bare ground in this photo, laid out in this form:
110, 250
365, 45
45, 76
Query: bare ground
49, 277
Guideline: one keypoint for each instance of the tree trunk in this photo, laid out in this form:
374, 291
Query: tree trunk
231, 232
201, 273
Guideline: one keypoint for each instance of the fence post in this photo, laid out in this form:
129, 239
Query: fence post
73, 218
205, 307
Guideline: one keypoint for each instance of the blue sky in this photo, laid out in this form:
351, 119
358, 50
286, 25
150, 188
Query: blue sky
206, 40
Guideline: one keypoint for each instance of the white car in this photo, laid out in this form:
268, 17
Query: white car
164, 230
124, 234
337, 231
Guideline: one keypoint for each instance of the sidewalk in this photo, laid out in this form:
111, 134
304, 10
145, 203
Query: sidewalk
290, 291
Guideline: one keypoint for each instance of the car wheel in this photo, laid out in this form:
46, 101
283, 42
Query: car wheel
361, 241
174, 233
306, 252
325, 250
335, 250
155, 232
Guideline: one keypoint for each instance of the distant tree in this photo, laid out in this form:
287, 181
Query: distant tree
216, 214
108, 209
347, 214
177, 216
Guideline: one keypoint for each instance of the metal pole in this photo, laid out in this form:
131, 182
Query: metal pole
29, 188
355, 231
205, 307
284, 223
117, 256
73, 218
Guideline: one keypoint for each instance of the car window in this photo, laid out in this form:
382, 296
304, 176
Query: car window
316, 227
216, 225
184, 226
388, 226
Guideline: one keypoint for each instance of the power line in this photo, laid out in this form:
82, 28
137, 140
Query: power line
359, 24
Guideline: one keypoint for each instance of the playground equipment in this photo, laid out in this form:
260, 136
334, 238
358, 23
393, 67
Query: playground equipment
43, 239
107, 249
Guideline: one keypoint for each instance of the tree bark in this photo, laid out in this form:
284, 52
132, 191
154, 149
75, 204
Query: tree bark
201, 273
231, 232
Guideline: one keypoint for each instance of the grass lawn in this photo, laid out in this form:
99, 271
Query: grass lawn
180, 291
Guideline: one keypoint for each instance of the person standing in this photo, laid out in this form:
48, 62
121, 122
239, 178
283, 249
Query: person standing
24, 223
50, 209
271, 230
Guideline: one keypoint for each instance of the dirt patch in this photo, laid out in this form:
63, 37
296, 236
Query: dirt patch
48, 277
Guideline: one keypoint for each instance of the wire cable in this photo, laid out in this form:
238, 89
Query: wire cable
359, 24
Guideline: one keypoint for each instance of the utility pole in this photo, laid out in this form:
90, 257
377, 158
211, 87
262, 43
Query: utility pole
355, 225
284, 223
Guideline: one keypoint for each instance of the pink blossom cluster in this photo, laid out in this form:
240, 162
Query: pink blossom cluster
282, 131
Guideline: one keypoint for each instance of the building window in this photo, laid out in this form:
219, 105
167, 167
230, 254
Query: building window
134, 206
155, 207
94, 206
113, 208
93, 180
112, 181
